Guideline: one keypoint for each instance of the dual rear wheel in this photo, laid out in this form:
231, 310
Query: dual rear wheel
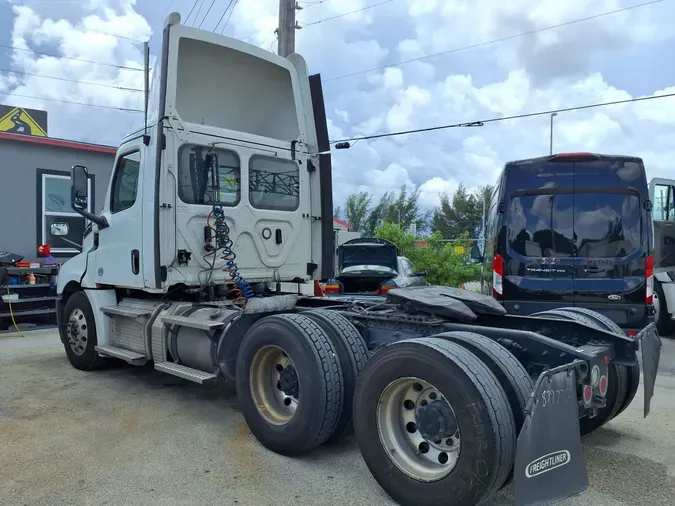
296, 375
624, 381
434, 418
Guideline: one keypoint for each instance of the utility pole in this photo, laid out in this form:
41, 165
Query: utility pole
287, 27
550, 148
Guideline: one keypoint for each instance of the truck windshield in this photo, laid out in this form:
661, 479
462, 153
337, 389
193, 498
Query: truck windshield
589, 225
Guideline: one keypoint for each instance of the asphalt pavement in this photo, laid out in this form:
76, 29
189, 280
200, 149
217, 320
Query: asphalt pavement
132, 436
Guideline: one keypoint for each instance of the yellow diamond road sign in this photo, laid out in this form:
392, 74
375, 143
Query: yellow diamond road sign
18, 121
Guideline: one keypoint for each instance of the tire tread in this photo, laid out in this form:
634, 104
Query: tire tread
494, 396
357, 354
332, 374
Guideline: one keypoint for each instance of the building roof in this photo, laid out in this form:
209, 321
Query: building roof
59, 143
341, 222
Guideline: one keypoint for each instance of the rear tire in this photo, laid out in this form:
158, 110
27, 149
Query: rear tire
289, 383
600, 319
79, 330
352, 353
633, 372
568, 314
622, 387
478, 403
617, 392
511, 374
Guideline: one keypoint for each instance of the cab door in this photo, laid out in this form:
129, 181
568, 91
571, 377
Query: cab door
118, 259
662, 195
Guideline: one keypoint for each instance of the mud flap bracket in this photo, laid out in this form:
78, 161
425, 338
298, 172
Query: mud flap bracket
549, 462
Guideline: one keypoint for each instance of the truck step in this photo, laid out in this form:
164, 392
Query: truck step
195, 324
131, 357
185, 372
129, 312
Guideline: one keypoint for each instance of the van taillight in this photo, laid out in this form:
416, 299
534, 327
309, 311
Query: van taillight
649, 275
497, 277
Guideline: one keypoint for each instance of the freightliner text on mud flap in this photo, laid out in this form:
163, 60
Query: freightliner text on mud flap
549, 463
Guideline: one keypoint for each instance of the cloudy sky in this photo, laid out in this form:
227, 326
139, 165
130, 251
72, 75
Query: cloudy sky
370, 83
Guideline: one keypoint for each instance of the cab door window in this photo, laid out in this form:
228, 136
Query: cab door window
664, 203
125, 182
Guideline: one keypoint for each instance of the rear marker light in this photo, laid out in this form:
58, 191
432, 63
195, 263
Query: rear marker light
595, 375
498, 277
602, 387
588, 394
649, 275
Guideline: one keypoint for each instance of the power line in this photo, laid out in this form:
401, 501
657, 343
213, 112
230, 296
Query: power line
223, 15
207, 13
267, 37
70, 58
10, 94
305, 5
70, 80
191, 10
480, 123
347, 13
194, 23
493, 41
230, 15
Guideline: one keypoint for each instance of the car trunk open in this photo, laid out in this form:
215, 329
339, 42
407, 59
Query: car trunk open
363, 267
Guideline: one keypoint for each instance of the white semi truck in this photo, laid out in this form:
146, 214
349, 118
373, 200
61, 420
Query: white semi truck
662, 195
223, 200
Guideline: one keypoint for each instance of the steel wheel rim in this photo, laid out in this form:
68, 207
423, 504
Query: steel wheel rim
77, 331
419, 457
274, 385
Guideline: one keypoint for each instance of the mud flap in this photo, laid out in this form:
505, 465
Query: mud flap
549, 463
650, 344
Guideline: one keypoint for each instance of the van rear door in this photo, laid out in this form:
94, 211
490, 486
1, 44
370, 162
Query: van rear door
612, 238
579, 235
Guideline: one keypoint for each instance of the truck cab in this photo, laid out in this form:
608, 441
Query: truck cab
662, 194
209, 160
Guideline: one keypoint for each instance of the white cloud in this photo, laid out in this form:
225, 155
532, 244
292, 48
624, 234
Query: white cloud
608, 58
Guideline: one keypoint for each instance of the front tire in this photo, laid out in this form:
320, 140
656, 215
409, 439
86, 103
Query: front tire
415, 458
79, 328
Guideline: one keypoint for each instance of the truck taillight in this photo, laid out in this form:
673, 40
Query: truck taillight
649, 274
497, 277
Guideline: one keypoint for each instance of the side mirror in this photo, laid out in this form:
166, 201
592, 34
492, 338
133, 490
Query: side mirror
79, 195
79, 188
476, 256
420, 274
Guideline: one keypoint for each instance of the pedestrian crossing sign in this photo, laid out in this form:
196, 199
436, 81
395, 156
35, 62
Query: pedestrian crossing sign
18, 120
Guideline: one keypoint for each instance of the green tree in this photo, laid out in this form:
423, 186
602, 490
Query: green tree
446, 263
463, 212
400, 207
357, 209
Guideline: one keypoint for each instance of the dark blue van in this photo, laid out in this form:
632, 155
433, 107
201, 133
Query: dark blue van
573, 229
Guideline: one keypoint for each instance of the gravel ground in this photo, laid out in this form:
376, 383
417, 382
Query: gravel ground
133, 436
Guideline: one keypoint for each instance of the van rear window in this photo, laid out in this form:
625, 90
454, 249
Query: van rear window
587, 225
